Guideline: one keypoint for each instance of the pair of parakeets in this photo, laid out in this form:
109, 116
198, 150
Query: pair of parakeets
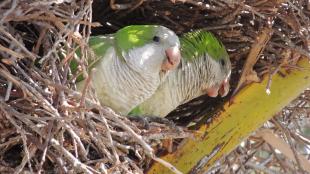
148, 70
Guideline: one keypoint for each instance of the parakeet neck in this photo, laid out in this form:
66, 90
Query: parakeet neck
188, 82
192, 78
119, 86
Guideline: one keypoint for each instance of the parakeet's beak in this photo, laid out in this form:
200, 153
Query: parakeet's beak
224, 89
173, 58
221, 89
213, 91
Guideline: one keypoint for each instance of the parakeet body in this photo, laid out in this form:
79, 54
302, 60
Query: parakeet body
205, 69
131, 63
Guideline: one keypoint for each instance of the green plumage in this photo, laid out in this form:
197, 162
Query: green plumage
134, 36
205, 64
100, 44
196, 44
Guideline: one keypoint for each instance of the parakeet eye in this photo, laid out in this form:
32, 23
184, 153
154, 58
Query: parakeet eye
156, 39
222, 62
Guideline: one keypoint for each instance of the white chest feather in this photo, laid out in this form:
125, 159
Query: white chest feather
119, 86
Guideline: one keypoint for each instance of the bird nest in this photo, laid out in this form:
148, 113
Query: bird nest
45, 125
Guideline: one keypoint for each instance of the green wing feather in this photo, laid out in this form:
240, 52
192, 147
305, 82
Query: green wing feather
196, 44
136, 111
98, 46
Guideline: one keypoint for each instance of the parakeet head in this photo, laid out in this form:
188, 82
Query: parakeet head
149, 48
212, 61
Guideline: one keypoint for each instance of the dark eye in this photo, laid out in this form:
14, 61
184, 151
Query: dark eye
156, 39
222, 61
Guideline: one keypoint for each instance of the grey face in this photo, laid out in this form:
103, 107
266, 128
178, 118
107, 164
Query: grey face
218, 82
161, 53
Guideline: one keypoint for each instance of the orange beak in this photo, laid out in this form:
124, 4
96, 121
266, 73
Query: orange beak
213, 91
223, 89
173, 59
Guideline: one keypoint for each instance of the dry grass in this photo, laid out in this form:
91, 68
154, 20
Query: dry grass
46, 126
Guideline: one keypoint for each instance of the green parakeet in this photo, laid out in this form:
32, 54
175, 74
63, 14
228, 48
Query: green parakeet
205, 68
131, 63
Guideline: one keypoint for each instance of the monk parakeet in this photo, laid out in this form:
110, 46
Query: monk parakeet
131, 63
205, 68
